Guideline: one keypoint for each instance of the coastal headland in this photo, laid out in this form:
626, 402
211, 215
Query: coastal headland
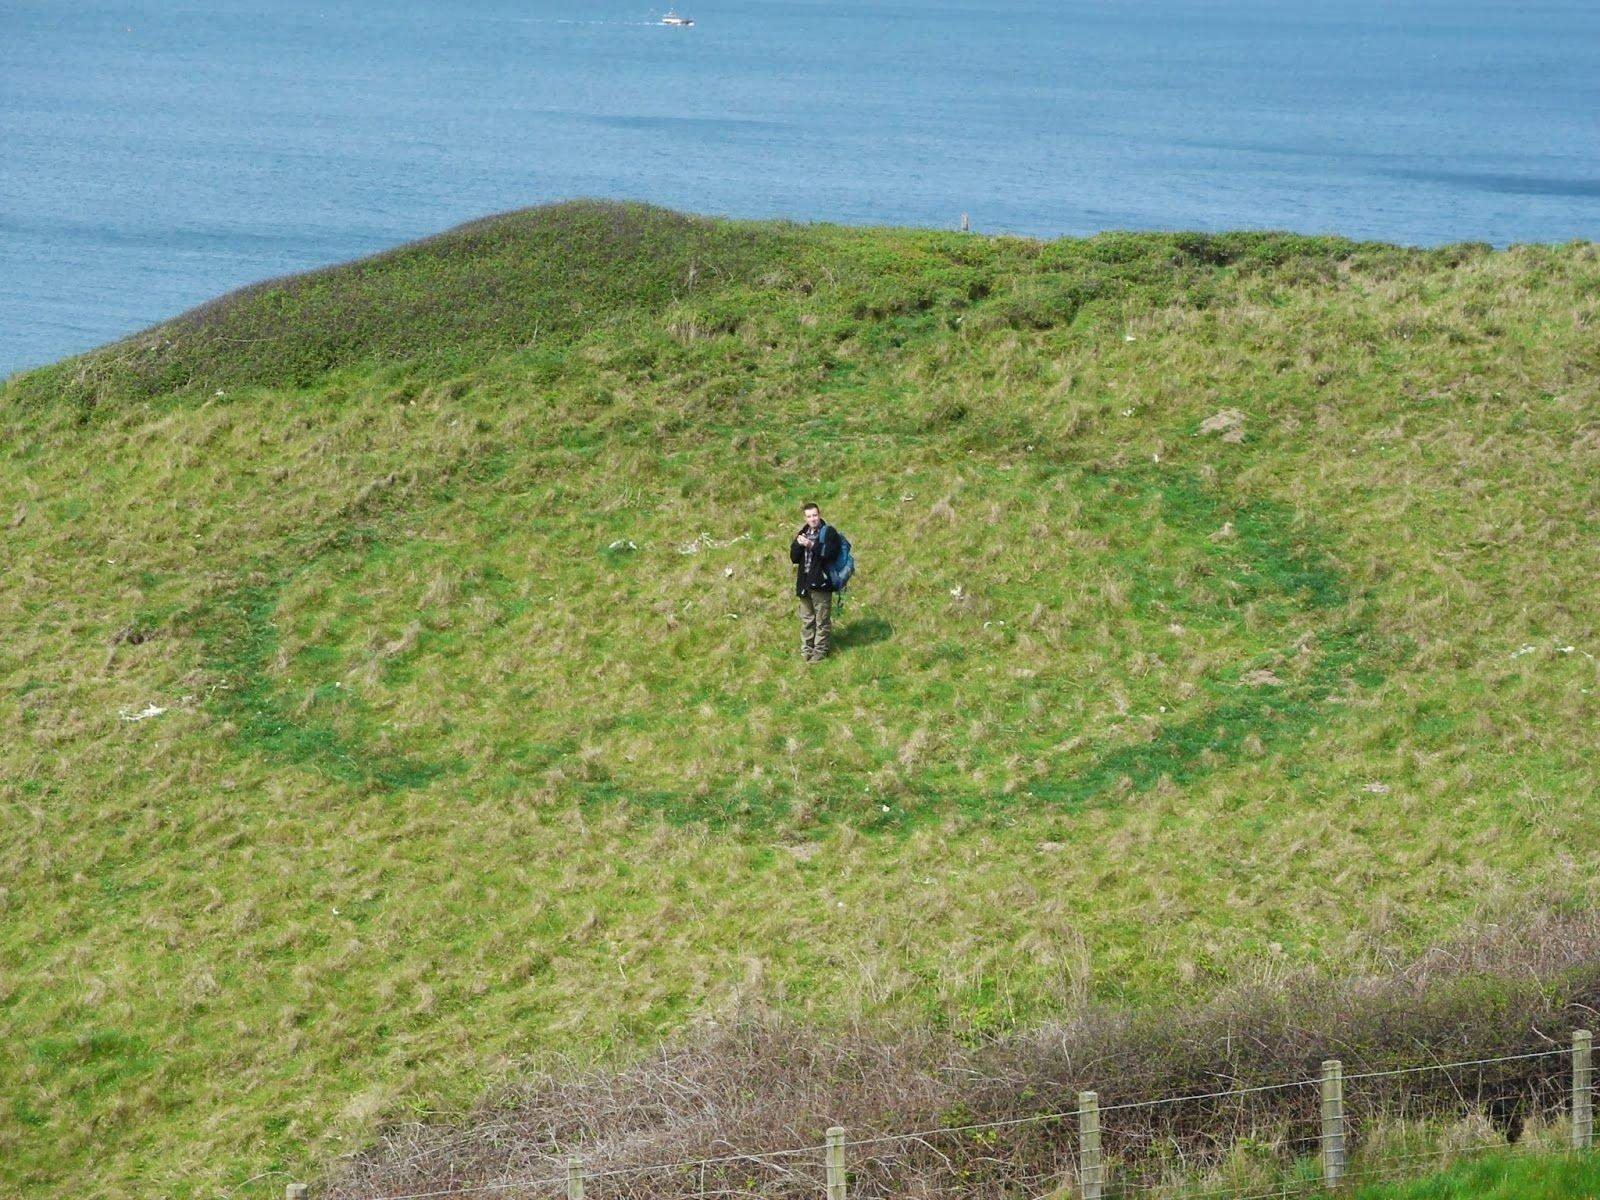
401, 698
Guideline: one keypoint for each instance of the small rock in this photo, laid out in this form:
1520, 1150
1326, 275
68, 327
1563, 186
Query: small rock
153, 710
1228, 422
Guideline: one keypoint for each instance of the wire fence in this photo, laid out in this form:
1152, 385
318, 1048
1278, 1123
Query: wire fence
1285, 1139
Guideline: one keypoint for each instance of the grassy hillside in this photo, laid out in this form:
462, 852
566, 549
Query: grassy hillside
1226, 608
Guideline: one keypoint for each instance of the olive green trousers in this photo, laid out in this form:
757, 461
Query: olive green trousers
816, 623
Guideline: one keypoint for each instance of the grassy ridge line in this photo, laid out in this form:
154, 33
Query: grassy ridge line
261, 932
442, 304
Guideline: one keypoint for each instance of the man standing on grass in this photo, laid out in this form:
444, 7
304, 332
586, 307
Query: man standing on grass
813, 550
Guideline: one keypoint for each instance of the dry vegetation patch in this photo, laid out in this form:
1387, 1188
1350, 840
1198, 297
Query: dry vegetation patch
742, 1107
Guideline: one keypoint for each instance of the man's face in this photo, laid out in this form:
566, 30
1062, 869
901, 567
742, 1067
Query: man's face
813, 518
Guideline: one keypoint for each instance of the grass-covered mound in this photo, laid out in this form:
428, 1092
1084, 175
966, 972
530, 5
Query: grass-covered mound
1226, 608
448, 302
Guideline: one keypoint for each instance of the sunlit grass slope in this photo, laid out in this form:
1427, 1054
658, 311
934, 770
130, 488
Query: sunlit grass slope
1227, 606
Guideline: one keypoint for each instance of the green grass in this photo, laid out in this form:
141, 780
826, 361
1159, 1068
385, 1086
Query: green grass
1461, 1159
1556, 1177
1553, 1174
451, 780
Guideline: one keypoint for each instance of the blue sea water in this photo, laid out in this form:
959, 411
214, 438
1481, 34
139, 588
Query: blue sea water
154, 153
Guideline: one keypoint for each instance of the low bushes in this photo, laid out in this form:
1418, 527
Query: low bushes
758, 1085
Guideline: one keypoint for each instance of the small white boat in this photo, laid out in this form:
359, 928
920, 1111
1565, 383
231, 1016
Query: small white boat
673, 18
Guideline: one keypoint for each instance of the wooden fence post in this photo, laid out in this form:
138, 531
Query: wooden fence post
1091, 1172
295, 1191
835, 1161
1582, 1090
574, 1177
1332, 1122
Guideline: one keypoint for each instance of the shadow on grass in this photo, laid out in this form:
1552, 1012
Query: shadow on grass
863, 632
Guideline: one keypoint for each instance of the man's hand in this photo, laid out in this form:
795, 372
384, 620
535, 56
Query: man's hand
805, 541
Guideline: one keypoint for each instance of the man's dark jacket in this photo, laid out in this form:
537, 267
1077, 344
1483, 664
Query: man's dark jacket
823, 555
